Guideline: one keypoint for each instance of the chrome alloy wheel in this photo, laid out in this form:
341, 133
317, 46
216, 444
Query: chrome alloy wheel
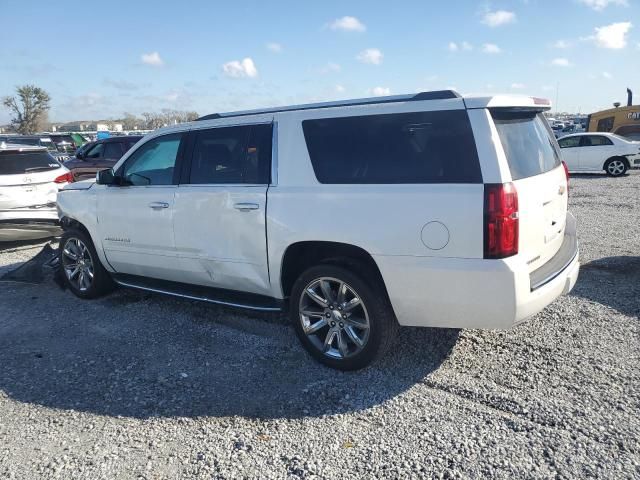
77, 264
334, 317
615, 167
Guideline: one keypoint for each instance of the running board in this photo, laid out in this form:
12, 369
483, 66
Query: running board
218, 296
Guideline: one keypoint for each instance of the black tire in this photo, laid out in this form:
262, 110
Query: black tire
616, 161
102, 283
381, 319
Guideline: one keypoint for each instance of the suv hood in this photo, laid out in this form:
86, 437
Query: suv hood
83, 185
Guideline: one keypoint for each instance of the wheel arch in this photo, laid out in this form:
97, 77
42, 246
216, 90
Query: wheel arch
301, 255
616, 157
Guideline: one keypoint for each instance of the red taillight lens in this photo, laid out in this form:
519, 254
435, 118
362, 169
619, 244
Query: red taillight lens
64, 178
566, 172
501, 222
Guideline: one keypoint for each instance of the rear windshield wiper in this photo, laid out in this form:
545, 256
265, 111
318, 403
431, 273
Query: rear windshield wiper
36, 169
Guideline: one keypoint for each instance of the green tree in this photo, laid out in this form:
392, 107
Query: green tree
28, 108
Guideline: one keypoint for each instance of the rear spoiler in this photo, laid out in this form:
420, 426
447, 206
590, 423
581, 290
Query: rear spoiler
512, 102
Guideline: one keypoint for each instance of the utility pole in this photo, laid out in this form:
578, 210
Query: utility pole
557, 88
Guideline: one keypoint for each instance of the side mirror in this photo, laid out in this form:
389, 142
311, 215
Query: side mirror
80, 155
105, 177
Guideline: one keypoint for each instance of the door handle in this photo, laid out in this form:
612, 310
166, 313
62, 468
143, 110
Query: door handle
245, 207
158, 205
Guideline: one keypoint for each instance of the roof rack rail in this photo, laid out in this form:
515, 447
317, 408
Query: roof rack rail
422, 96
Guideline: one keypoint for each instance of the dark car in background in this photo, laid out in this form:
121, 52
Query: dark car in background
64, 142
38, 141
101, 155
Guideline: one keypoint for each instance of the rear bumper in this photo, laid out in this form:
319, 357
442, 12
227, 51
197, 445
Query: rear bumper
29, 214
472, 293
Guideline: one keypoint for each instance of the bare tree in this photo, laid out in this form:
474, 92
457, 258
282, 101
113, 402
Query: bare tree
28, 108
167, 117
130, 122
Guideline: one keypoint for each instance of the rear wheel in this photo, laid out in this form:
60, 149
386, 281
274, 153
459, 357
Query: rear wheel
616, 167
83, 273
341, 320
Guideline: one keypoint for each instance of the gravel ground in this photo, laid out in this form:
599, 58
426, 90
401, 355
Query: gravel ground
142, 386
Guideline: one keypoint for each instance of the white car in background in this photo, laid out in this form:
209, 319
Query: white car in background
595, 152
29, 182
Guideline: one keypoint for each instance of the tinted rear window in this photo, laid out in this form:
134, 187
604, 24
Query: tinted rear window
26, 162
420, 147
527, 142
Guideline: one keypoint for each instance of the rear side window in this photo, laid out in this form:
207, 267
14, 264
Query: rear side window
597, 141
227, 155
420, 147
26, 162
113, 150
527, 142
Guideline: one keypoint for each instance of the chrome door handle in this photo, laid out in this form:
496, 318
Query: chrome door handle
158, 205
245, 207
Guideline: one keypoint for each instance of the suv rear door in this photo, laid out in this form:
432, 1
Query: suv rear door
220, 208
540, 180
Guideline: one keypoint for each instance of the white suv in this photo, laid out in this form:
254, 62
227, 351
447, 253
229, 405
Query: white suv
427, 210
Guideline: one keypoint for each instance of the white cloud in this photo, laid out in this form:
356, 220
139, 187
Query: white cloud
548, 88
499, 17
330, 67
454, 47
347, 24
491, 48
340, 89
561, 44
517, 86
560, 62
371, 55
599, 5
274, 47
611, 36
152, 59
238, 69
607, 75
380, 91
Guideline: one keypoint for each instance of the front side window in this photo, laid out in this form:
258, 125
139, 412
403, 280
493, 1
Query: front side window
153, 163
96, 152
229, 155
419, 147
597, 141
569, 142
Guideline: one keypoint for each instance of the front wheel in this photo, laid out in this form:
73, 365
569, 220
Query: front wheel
341, 320
83, 273
616, 167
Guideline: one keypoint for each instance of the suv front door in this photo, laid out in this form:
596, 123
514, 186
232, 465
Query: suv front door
220, 208
135, 218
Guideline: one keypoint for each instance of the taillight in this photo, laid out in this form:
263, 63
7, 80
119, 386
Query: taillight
501, 223
566, 172
64, 178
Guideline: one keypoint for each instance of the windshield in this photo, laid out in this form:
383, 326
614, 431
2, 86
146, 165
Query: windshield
16, 163
527, 141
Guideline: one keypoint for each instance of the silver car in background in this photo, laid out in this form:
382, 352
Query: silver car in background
29, 182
